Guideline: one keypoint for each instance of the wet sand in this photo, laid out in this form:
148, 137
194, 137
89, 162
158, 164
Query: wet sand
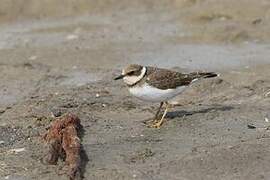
58, 62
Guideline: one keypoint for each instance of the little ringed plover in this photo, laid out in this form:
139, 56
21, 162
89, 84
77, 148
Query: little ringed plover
154, 84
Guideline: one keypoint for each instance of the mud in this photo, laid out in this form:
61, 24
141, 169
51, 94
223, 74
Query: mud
58, 61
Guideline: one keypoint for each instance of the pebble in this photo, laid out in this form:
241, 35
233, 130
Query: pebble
32, 58
72, 37
56, 113
17, 150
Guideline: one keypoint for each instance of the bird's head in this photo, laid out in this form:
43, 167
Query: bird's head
132, 74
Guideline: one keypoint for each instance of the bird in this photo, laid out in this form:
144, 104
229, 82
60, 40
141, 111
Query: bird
158, 85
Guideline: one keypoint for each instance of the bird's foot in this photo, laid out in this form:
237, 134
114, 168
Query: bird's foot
156, 124
148, 121
151, 121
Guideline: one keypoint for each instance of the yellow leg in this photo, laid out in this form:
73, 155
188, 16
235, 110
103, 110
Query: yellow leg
156, 115
160, 122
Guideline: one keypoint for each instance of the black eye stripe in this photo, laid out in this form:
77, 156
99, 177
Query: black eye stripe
131, 73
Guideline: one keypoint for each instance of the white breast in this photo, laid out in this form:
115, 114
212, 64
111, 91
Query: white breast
152, 94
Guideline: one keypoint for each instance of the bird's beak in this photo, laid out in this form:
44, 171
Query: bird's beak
119, 77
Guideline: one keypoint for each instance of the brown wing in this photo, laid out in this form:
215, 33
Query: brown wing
166, 79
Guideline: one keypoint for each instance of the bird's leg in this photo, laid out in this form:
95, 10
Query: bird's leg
160, 122
156, 115
158, 111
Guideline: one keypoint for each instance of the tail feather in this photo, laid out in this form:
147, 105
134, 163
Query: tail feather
204, 75
209, 75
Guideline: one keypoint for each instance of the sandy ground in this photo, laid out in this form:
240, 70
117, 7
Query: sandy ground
53, 62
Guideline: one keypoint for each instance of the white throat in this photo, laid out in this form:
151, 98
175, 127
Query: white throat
130, 80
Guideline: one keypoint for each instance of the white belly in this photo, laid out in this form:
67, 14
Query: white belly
152, 94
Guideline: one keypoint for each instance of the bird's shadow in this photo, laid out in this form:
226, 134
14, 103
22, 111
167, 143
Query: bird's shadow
182, 113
